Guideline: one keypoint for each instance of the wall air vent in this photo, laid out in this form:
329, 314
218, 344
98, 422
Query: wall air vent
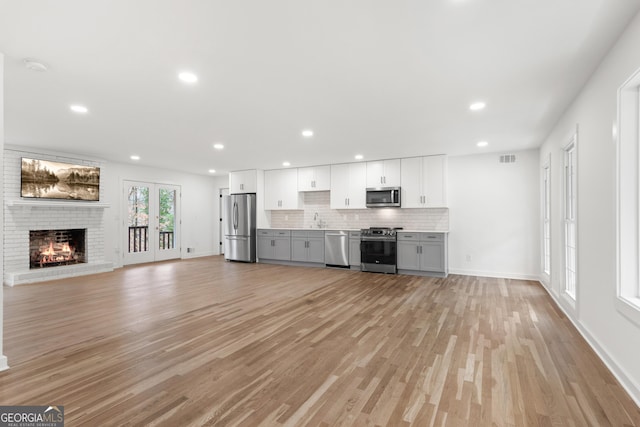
508, 158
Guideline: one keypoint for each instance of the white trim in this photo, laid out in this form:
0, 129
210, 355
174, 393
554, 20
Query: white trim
572, 301
627, 299
494, 274
625, 380
545, 206
4, 363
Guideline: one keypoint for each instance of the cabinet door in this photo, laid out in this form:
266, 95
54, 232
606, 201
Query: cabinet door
411, 183
298, 249
375, 174
357, 197
243, 181
306, 178
265, 249
435, 181
408, 255
432, 256
354, 252
289, 196
281, 189
322, 178
315, 249
383, 173
391, 176
339, 186
282, 248
272, 190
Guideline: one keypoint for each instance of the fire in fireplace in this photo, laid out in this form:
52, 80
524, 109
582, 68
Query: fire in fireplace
52, 248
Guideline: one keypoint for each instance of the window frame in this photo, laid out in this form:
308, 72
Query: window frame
570, 219
626, 135
546, 221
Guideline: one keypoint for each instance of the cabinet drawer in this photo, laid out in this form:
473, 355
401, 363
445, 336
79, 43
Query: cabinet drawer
265, 233
298, 233
282, 233
405, 235
432, 237
315, 234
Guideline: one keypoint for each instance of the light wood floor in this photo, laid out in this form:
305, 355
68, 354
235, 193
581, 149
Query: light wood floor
208, 342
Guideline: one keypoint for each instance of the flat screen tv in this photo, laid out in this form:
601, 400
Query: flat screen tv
43, 179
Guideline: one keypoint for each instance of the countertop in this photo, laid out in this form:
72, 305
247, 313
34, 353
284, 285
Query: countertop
349, 229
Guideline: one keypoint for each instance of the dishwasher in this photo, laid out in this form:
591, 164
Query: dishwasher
336, 248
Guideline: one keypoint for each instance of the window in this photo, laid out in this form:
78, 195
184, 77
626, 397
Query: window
546, 219
628, 197
570, 226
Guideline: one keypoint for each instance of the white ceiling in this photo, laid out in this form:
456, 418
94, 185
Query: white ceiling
380, 78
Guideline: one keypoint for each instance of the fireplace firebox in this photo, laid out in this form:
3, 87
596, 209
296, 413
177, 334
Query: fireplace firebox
52, 248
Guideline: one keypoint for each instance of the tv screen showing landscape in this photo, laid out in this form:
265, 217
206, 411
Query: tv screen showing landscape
43, 179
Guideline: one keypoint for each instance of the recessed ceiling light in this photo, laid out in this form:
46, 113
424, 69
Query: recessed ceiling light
218, 146
34, 65
307, 133
477, 106
134, 157
188, 77
80, 109
286, 164
482, 144
359, 156
212, 171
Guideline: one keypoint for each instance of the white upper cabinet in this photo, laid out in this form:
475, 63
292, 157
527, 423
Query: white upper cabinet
424, 182
348, 186
383, 173
281, 190
243, 181
317, 178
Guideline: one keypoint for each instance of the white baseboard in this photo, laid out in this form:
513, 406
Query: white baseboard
198, 254
494, 274
4, 365
618, 372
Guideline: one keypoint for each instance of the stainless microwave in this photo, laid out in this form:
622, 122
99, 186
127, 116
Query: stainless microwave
383, 197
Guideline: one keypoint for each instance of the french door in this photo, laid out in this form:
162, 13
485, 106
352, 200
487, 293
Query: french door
152, 222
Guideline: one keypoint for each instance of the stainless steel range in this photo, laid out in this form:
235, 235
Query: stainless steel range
378, 250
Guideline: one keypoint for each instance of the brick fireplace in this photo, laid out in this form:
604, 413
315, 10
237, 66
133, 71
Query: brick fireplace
54, 248
23, 217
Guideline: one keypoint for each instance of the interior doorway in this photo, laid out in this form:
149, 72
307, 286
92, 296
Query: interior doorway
152, 222
223, 192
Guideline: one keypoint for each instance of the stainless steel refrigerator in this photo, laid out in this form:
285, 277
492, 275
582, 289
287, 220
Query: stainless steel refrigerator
240, 227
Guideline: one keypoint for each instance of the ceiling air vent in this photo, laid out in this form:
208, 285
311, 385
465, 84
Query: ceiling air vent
508, 158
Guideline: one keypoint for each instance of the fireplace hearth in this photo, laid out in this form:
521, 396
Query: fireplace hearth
52, 248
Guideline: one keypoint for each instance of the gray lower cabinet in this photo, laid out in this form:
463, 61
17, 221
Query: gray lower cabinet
354, 249
422, 252
307, 246
274, 244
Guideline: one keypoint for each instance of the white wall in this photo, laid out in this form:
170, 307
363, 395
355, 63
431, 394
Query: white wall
493, 215
612, 335
199, 208
3, 359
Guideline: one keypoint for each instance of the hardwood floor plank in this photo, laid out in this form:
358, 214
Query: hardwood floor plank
208, 342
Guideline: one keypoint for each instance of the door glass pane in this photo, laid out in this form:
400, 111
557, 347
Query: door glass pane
138, 218
167, 218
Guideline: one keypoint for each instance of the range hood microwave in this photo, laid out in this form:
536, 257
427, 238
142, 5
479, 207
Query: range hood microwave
383, 197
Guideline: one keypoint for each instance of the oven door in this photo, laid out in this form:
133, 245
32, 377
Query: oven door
378, 255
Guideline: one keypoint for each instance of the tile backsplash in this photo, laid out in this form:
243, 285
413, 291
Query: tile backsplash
316, 212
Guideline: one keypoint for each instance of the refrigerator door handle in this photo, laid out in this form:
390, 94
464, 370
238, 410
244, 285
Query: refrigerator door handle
235, 215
